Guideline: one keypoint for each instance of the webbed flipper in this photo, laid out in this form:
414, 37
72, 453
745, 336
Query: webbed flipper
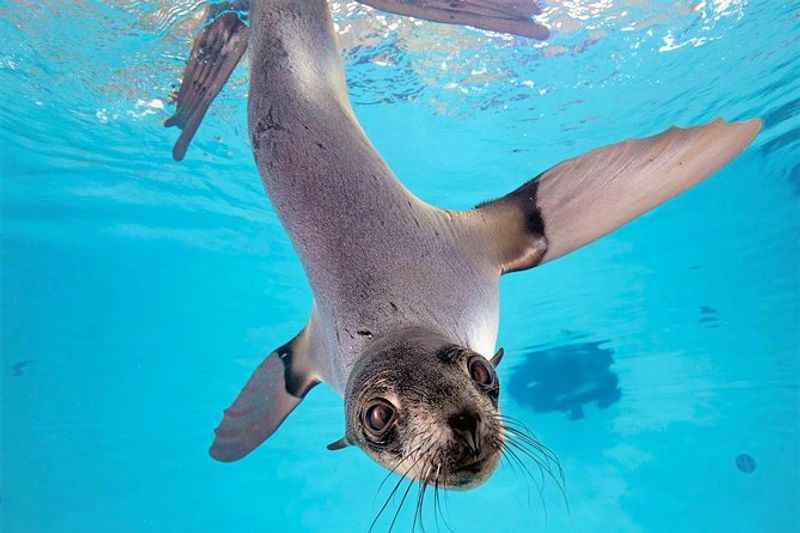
584, 198
215, 53
223, 41
504, 16
274, 389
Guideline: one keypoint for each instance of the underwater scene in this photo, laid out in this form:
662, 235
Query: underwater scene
655, 371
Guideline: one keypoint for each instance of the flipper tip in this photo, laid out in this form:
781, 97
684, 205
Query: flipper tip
744, 131
542, 33
225, 454
752, 126
179, 150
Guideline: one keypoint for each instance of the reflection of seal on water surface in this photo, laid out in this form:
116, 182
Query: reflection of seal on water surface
405, 313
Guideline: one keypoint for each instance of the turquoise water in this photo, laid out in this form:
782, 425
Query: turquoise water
661, 363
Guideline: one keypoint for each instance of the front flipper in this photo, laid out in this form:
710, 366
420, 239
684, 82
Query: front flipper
276, 387
584, 198
215, 54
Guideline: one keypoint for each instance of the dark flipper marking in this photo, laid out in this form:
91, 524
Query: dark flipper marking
584, 198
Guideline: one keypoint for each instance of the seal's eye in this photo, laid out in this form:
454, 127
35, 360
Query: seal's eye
379, 416
481, 372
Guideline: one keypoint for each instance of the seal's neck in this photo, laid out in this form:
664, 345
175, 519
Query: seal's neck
294, 57
333, 193
310, 149
420, 338
398, 346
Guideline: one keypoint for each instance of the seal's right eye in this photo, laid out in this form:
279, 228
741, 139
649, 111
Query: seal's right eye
378, 417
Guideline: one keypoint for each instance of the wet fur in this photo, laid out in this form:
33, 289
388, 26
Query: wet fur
426, 377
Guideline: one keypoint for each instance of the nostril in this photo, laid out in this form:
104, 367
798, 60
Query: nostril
465, 427
464, 421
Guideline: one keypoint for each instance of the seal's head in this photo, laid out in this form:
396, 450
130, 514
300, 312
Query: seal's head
425, 408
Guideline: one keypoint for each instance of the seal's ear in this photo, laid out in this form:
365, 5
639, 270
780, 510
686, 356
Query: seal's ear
497, 357
276, 387
582, 199
339, 444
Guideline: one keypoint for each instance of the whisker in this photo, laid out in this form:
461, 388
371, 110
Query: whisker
437, 503
400, 507
524, 468
386, 503
508, 459
423, 485
393, 470
516, 422
539, 489
397, 486
520, 438
544, 467
420, 495
549, 455
520, 447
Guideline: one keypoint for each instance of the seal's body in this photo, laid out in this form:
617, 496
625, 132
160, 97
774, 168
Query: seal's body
405, 312
377, 257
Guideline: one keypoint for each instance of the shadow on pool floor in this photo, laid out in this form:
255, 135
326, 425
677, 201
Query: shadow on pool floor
566, 378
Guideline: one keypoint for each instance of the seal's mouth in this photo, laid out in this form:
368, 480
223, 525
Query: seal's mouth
473, 467
470, 471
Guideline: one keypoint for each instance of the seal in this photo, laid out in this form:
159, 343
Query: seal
405, 314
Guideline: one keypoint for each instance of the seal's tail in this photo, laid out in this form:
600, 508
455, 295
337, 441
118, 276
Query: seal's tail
215, 54
584, 198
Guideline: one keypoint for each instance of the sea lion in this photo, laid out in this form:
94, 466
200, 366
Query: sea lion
405, 313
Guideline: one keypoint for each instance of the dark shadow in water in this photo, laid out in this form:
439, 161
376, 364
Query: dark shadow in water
746, 463
709, 316
794, 178
18, 369
565, 378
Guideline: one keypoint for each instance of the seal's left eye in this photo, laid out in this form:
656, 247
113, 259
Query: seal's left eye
481, 373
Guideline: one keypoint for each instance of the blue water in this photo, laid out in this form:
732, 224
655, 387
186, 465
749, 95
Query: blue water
661, 363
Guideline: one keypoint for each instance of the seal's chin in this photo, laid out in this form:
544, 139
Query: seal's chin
471, 472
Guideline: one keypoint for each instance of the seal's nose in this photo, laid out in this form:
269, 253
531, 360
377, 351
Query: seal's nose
466, 427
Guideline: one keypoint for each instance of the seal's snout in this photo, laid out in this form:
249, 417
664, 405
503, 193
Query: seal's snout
466, 427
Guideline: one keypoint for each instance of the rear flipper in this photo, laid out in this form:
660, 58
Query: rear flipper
215, 54
276, 387
584, 198
504, 16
